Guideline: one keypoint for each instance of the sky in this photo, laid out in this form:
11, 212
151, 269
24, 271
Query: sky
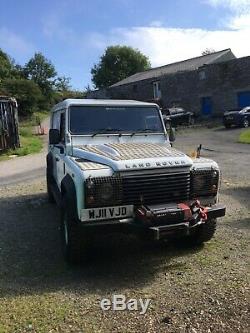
73, 34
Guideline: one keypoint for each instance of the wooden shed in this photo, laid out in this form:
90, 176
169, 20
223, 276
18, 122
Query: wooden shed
9, 137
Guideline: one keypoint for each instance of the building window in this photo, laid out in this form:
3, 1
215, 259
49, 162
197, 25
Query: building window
157, 90
202, 75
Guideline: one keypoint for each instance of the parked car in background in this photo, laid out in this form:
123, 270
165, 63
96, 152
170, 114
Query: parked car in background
237, 117
178, 116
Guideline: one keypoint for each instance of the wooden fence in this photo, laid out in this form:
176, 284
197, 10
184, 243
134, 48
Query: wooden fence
9, 137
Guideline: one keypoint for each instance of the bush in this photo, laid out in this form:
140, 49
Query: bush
27, 93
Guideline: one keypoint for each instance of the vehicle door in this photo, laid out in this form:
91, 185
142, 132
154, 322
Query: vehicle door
58, 151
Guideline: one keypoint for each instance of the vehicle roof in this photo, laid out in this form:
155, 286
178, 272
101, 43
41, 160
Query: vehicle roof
102, 102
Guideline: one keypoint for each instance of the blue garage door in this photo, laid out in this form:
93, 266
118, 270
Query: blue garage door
206, 106
244, 99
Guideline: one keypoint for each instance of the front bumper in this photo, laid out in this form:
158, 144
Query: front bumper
161, 220
162, 231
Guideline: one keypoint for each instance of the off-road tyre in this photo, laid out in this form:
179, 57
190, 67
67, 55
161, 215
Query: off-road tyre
50, 195
201, 234
75, 243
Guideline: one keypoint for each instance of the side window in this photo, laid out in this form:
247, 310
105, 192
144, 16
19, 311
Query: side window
202, 75
56, 120
157, 90
62, 127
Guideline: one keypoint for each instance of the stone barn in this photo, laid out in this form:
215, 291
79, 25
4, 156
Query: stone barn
207, 85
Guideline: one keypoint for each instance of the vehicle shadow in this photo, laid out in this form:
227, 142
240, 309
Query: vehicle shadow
31, 260
242, 195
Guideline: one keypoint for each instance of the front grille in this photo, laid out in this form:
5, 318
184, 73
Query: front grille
204, 182
156, 188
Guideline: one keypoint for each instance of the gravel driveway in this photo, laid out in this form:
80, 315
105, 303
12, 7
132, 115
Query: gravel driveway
201, 290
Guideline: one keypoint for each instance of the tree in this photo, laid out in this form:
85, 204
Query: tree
27, 93
208, 51
62, 83
117, 63
42, 72
6, 66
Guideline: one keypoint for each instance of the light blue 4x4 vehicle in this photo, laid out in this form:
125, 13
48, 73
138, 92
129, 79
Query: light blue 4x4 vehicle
110, 166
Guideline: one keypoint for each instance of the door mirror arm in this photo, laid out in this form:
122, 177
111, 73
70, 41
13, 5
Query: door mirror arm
61, 148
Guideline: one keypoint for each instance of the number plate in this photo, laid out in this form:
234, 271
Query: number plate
107, 213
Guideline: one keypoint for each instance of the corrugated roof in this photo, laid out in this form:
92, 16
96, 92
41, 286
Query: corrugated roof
180, 66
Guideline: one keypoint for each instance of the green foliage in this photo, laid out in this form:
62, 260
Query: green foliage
245, 136
207, 51
62, 95
117, 63
62, 84
42, 72
36, 86
8, 68
27, 93
5, 66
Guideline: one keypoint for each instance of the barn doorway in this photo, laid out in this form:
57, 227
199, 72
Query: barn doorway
243, 99
206, 106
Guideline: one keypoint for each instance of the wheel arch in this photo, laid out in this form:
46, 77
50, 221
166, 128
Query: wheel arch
68, 188
49, 163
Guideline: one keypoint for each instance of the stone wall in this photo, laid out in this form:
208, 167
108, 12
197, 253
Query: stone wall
220, 81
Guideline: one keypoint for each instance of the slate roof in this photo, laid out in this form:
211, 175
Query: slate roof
180, 66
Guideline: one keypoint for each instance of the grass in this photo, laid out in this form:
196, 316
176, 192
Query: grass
30, 144
245, 137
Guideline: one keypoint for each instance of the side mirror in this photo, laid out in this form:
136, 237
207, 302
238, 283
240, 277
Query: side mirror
171, 134
54, 136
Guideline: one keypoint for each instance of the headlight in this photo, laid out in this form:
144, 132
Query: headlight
204, 182
103, 191
106, 192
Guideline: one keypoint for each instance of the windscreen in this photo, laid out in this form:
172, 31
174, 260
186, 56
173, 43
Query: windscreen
102, 119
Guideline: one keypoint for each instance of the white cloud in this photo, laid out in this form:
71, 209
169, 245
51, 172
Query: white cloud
239, 17
239, 22
237, 5
14, 44
156, 23
165, 45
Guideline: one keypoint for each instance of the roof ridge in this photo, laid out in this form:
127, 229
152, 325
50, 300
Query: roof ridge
215, 55
178, 62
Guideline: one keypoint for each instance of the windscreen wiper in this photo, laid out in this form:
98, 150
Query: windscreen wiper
107, 130
143, 130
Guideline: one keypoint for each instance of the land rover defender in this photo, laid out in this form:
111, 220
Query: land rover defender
110, 166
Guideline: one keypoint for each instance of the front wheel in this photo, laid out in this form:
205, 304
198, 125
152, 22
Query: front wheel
201, 234
245, 123
74, 242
